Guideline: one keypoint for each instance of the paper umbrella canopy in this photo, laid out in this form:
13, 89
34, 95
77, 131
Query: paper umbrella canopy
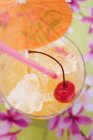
29, 24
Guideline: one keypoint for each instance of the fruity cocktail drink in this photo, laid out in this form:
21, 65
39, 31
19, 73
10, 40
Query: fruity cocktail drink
37, 94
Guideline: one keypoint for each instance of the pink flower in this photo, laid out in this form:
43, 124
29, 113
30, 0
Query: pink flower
10, 136
89, 81
54, 124
4, 19
89, 55
85, 101
86, 98
78, 137
90, 136
75, 5
81, 136
12, 118
89, 20
70, 122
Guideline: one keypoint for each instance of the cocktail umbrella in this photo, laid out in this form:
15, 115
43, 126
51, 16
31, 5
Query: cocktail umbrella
29, 24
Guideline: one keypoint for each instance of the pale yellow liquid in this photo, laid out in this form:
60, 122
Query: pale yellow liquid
12, 71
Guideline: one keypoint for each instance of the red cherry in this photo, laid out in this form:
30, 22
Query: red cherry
64, 93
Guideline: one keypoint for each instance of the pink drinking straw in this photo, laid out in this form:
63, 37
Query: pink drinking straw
5, 49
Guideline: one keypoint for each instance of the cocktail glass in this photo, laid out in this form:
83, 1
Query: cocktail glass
32, 92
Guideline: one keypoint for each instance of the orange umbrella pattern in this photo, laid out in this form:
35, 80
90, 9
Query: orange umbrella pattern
33, 23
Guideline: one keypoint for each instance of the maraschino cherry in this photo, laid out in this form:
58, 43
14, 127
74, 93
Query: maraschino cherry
65, 90
64, 93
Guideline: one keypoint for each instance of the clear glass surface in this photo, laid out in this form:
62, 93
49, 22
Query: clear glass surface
30, 91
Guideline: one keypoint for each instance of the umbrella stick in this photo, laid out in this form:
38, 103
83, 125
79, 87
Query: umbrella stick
5, 49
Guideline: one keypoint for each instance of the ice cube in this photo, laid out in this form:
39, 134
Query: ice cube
26, 95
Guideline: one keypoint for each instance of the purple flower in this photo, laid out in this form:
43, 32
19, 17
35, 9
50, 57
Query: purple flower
10, 136
54, 125
75, 5
12, 118
85, 100
70, 122
78, 137
89, 81
81, 136
90, 136
89, 55
89, 20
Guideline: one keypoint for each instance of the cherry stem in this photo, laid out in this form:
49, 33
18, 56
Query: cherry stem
63, 73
